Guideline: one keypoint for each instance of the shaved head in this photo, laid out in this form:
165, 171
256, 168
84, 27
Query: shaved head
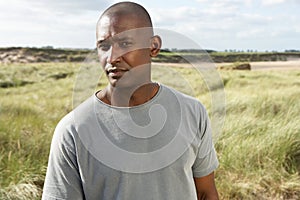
128, 8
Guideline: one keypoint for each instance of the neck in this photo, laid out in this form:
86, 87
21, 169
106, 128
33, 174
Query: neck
128, 97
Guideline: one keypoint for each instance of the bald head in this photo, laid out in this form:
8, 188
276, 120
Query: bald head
128, 8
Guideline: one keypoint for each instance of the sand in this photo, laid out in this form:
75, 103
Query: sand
277, 65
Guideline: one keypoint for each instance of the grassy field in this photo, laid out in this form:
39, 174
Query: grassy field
48, 54
259, 148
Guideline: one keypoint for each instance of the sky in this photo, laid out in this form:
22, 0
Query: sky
261, 25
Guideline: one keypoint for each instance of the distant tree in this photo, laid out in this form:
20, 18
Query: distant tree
47, 47
165, 50
292, 50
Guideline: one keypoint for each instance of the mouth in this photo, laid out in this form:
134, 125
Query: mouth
116, 72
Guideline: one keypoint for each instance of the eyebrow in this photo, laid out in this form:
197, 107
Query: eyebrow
118, 39
100, 41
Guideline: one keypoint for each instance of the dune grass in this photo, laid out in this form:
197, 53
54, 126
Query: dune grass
259, 148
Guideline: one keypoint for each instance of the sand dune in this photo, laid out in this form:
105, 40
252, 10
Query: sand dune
276, 65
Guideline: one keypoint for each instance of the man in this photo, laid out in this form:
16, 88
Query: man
122, 143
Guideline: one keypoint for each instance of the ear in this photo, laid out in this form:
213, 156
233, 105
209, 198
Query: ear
155, 45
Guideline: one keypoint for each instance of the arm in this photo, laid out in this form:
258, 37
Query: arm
206, 188
62, 178
206, 161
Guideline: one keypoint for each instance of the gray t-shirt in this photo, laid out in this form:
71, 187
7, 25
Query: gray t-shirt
150, 151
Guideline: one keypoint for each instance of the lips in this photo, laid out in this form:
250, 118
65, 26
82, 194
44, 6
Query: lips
116, 72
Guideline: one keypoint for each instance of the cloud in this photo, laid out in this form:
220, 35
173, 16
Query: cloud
226, 21
251, 33
72, 6
162, 16
220, 24
202, 1
48, 23
272, 2
277, 2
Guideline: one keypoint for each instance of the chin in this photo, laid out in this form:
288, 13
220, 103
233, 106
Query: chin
120, 83
126, 83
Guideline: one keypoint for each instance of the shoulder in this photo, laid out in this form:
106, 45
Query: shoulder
78, 114
67, 127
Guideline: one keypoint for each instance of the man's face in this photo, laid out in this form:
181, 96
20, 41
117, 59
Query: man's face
124, 50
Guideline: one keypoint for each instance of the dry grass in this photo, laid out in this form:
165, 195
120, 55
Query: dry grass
259, 148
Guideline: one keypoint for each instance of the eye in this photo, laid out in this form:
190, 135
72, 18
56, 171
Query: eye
125, 44
103, 46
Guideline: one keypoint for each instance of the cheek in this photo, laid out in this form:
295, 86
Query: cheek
138, 57
102, 59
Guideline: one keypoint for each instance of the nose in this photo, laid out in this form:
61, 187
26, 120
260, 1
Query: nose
114, 55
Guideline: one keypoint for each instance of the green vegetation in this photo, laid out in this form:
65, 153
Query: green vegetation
28, 115
219, 57
34, 55
259, 148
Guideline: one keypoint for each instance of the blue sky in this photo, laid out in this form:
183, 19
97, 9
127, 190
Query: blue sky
213, 24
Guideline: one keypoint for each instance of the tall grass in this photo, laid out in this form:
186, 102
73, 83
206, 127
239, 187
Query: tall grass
259, 148
28, 115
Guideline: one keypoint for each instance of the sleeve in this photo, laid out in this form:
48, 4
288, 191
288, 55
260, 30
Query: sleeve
62, 178
206, 160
